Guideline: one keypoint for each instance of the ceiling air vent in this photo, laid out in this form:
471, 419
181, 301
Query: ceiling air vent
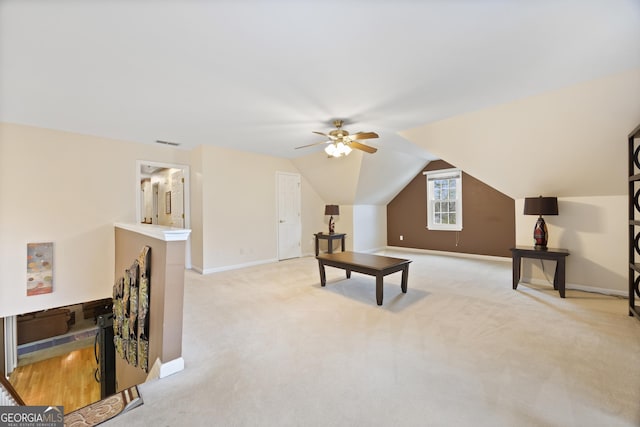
175, 144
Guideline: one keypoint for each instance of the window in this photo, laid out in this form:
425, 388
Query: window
444, 199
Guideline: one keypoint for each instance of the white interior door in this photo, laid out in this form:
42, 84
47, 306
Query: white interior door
289, 222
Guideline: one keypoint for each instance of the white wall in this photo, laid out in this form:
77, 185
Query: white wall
196, 208
239, 210
365, 226
344, 224
313, 219
334, 179
567, 143
369, 228
68, 189
594, 230
360, 178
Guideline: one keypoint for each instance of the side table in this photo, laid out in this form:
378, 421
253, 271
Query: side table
558, 255
330, 237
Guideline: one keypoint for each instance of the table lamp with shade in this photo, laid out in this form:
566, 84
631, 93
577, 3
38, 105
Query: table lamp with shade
331, 210
540, 206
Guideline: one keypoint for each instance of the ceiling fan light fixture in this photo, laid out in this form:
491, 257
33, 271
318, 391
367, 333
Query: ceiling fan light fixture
340, 143
338, 149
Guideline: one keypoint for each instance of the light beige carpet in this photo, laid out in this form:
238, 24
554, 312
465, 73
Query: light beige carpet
267, 346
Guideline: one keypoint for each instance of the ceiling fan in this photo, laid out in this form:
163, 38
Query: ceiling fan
341, 143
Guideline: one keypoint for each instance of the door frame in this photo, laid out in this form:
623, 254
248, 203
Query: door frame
10, 341
185, 191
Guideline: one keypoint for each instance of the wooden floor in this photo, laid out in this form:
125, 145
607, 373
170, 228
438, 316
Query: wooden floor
65, 380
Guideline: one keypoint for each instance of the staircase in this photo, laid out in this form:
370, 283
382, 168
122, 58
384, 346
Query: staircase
8, 395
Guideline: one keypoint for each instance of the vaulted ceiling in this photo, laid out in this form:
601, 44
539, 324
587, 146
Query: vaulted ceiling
261, 75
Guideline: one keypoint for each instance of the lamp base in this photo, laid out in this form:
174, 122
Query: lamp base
540, 234
332, 225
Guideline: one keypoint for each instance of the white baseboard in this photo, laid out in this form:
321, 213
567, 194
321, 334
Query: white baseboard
373, 250
233, 267
171, 367
577, 287
445, 253
533, 281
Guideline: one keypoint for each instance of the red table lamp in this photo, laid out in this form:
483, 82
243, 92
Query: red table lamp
331, 210
540, 206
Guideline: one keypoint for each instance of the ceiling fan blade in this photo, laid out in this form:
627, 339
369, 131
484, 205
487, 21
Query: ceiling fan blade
363, 135
363, 147
315, 143
325, 135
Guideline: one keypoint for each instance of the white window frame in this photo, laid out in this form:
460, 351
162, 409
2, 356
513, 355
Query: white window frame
442, 174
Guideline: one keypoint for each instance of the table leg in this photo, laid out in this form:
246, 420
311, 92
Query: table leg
516, 270
405, 278
348, 273
560, 276
323, 278
555, 275
317, 246
342, 243
379, 278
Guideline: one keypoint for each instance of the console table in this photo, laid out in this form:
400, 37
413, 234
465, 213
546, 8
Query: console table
558, 255
330, 238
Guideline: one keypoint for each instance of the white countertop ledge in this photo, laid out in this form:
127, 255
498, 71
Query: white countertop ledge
160, 232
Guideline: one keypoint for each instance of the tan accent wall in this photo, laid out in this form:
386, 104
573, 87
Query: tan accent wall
166, 293
488, 218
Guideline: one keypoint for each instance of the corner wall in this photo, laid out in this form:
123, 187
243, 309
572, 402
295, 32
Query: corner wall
239, 208
68, 189
570, 143
369, 228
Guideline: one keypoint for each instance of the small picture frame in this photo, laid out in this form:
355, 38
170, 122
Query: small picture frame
167, 202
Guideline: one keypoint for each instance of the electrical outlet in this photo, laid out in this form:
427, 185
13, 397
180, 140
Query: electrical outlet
401, 237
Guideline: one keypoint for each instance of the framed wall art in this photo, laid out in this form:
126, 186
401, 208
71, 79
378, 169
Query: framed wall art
39, 268
167, 202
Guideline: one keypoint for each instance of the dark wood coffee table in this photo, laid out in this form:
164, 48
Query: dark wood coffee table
373, 265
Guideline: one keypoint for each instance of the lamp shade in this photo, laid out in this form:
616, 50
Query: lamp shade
541, 205
332, 210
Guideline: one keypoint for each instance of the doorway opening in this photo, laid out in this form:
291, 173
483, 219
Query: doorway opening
163, 191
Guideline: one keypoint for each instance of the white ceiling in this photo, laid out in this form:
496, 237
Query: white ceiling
261, 75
